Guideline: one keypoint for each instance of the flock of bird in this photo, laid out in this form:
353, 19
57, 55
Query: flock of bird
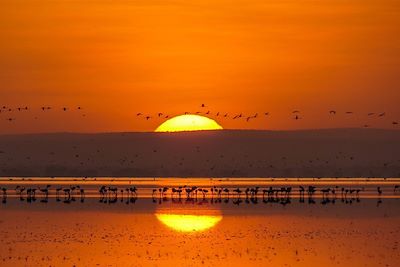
295, 115
30, 194
11, 112
111, 194
280, 195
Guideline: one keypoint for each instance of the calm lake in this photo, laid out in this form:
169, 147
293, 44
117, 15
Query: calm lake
211, 222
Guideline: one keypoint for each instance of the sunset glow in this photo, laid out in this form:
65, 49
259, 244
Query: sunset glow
200, 133
119, 58
188, 123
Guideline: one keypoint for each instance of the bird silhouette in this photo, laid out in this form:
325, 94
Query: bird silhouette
45, 190
4, 190
379, 190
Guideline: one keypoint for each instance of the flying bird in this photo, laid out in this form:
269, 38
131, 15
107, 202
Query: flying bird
237, 116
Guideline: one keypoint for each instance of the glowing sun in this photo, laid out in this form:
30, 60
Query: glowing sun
188, 123
188, 223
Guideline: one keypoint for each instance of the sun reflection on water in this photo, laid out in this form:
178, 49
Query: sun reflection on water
188, 222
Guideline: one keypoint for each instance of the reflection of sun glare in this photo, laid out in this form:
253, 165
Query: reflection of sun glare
189, 223
188, 123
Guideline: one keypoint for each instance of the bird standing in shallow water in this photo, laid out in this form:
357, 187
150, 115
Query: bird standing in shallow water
379, 190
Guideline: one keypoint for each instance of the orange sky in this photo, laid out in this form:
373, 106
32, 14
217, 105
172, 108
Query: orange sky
117, 58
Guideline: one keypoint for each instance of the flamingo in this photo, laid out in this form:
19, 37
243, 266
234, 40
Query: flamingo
58, 192
113, 190
4, 192
238, 191
379, 190
226, 191
19, 190
45, 190
81, 192
133, 190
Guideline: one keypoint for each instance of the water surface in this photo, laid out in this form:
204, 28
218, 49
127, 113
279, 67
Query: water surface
154, 230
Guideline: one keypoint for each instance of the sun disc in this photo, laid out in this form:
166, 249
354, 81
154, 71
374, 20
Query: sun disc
188, 122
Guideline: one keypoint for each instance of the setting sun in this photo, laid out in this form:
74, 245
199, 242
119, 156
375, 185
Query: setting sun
188, 123
189, 223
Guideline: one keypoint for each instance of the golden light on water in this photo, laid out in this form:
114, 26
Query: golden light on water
189, 223
188, 122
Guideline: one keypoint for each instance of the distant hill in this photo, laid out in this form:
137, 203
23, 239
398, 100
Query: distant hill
228, 153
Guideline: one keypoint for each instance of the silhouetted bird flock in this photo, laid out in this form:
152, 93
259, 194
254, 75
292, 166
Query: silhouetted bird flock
282, 195
295, 115
11, 113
